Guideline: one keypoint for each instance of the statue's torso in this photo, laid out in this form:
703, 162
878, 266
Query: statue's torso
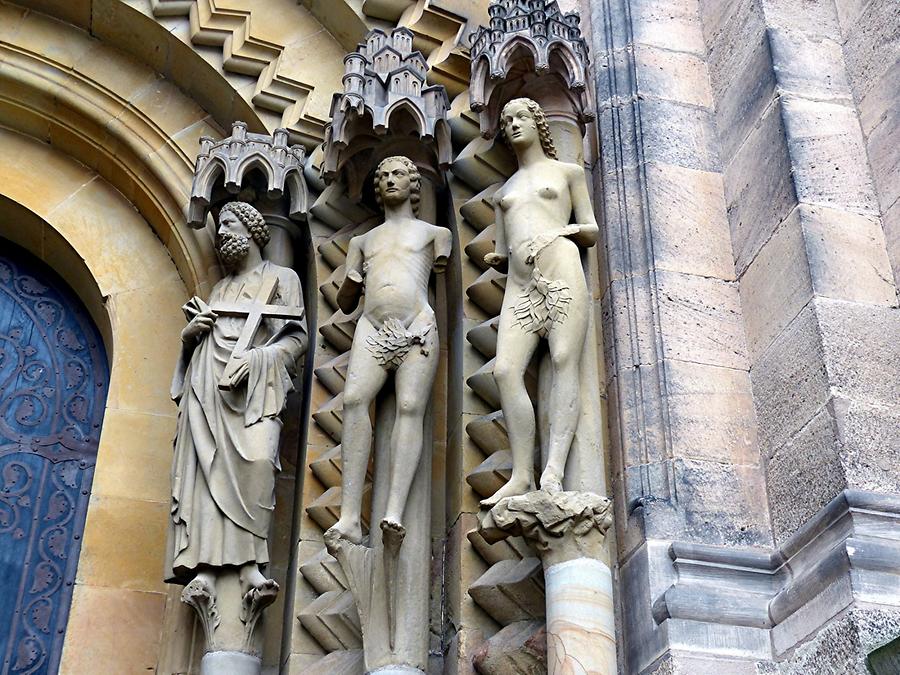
537, 201
398, 263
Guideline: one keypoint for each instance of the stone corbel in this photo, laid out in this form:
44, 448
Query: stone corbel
568, 530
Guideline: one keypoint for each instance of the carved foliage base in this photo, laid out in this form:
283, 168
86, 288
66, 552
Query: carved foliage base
568, 529
231, 621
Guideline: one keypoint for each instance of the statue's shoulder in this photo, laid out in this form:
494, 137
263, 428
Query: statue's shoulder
572, 170
287, 277
431, 227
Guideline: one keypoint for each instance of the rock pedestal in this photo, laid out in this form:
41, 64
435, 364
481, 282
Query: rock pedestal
568, 530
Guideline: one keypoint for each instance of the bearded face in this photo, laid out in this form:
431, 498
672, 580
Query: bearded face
233, 248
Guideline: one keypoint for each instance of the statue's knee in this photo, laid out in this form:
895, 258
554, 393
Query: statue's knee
563, 359
354, 401
503, 373
409, 406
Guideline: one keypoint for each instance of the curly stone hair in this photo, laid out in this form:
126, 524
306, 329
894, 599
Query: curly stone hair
252, 220
540, 121
415, 188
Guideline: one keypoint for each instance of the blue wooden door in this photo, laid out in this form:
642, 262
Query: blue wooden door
53, 383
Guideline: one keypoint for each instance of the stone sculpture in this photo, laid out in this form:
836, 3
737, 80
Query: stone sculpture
240, 354
546, 294
396, 333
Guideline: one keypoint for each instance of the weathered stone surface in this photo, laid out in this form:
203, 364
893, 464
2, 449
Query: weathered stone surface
848, 12
790, 381
808, 65
842, 646
891, 224
721, 503
862, 350
711, 413
672, 75
884, 156
879, 104
740, 67
685, 664
815, 251
870, 445
817, 19
670, 24
758, 187
742, 97
689, 221
870, 47
847, 256
511, 591
701, 320
776, 285
828, 155
676, 133
804, 474
519, 648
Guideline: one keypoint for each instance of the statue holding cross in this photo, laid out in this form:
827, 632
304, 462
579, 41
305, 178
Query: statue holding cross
240, 354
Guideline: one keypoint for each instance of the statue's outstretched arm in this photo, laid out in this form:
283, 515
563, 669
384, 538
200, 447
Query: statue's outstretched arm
351, 288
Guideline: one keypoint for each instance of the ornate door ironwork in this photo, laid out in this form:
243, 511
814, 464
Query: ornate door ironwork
53, 383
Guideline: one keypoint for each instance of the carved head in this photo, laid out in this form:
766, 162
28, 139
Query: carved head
251, 219
396, 180
238, 223
522, 122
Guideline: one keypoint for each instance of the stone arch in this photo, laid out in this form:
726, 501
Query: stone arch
130, 124
77, 222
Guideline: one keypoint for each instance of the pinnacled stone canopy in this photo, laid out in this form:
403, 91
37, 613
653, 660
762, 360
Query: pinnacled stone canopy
385, 91
536, 35
229, 161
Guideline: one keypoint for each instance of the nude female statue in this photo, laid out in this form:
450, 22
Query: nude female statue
396, 332
546, 293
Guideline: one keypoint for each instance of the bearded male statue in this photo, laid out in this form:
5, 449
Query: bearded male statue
240, 354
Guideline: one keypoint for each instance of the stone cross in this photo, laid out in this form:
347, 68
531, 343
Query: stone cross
254, 312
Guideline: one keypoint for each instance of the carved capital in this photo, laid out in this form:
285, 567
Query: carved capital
562, 526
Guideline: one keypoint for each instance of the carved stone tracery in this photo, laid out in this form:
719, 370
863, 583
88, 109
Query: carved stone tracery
553, 42
385, 90
229, 161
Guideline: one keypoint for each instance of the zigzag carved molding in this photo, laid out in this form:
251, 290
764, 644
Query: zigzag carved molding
282, 99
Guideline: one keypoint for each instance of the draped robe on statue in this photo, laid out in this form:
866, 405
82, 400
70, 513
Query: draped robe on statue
226, 442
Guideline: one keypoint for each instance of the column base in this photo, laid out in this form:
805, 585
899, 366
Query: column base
230, 663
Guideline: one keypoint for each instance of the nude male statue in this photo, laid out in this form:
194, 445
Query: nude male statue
396, 332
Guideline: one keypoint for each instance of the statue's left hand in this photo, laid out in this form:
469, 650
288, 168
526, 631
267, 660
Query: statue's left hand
584, 234
240, 369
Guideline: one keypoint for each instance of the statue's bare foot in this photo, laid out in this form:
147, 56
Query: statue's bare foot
351, 532
551, 481
251, 577
392, 533
201, 588
513, 488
